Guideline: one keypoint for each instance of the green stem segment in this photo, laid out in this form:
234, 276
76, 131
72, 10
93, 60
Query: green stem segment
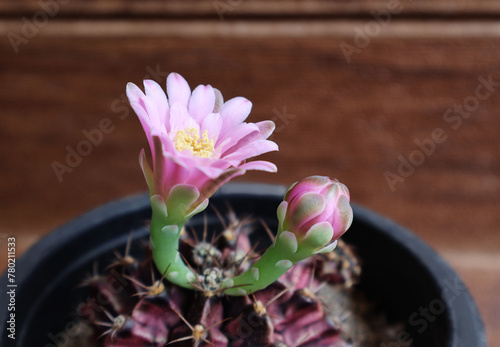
285, 252
277, 259
165, 236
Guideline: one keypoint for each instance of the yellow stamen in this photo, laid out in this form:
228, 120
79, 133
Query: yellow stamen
190, 139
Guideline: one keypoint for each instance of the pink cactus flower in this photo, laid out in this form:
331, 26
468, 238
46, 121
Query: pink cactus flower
197, 140
315, 204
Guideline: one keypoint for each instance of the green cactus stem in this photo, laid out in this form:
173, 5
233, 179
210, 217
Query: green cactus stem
166, 227
285, 252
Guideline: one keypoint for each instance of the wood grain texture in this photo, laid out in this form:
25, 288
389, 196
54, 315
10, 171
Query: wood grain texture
351, 120
224, 9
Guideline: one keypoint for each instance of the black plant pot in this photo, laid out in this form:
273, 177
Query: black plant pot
414, 284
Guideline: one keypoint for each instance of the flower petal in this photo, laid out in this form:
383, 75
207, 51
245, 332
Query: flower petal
219, 100
212, 185
213, 124
233, 137
135, 97
259, 165
158, 100
154, 115
134, 93
344, 218
266, 128
146, 170
262, 131
209, 172
304, 209
178, 89
234, 112
202, 102
253, 149
180, 120
143, 116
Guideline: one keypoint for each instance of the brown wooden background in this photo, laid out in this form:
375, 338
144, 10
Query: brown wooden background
347, 120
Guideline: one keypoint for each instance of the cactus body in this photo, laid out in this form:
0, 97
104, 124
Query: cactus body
135, 306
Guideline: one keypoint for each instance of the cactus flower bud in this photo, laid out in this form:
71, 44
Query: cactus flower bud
313, 215
316, 207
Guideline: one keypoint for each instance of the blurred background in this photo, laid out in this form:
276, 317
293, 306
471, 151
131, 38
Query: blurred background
398, 99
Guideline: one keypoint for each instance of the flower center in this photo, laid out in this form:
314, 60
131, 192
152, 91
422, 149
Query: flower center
190, 139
